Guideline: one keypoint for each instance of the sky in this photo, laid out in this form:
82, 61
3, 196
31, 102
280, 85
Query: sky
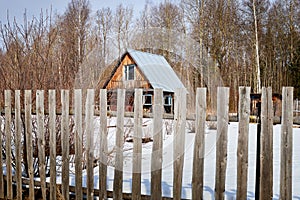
16, 8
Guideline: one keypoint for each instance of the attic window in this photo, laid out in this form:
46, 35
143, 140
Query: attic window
129, 72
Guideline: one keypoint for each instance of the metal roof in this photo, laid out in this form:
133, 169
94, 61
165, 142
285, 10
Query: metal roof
157, 70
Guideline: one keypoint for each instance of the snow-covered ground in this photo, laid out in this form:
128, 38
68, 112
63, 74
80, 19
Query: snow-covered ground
209, 159
209, 173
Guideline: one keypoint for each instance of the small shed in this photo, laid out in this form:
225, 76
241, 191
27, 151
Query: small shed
138, 69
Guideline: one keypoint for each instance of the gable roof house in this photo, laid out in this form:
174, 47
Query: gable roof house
148, 71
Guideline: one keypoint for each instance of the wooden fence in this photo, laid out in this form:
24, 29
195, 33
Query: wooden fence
17, 138
297, 108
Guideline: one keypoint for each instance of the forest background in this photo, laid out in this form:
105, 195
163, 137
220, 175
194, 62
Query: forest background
228, 43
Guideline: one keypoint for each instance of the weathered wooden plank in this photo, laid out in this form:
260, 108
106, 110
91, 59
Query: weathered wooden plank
52, 132
266, 156
8, 134
1, 171
28, 135
78, 143
137, 145
221, 148
89, 131
179, 140
103, 144
199, 146
65, 139
286, 144
242, 149
41, 139
118, 177
18, 144
157, 148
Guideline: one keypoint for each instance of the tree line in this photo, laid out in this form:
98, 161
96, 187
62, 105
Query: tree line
209, 43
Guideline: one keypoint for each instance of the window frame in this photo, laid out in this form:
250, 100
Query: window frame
170, 100
127, 71
144, 99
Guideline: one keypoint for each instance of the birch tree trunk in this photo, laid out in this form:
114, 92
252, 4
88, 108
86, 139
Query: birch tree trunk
258, 81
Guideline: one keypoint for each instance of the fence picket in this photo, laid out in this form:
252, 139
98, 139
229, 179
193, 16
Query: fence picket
52, 132
78, 143
242, 149
1, 171
266, 156
156, 159
118, 178
9, 189
28, 136
89, 114
286, 144
137, 145
221, 148
199, 145
41, 139
103, 144
18, 144
65, 138
179, 140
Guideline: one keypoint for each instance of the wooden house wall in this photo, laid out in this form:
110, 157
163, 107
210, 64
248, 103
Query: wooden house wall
112, 100
118, 81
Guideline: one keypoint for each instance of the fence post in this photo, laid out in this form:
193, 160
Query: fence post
156, 159
179, 140
286, 144
52, 132
266, 155
199, 145
41, 139
137, 145
28, 133
89, 114
242, 151
221, 148
8, 138
65, 138
78, 142
1, 171
18, 144
103, 144
118, 178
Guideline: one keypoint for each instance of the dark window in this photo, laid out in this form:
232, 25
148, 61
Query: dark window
147, 99
168, 100
168, 103
129, 72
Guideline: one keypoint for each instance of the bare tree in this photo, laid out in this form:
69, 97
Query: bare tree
104, 23
194, 12
122, 21
258, 83
168, 18
73, 41
144, 38
255, 12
